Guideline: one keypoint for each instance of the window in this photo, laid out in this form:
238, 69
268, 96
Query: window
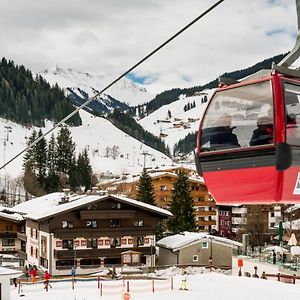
115, 205
116, 242
138, 223
8, 228
44, 262
163, 198
204, 245
8, 242
140, 241
201, 198
163, 188
91, 243
249, 106
36, 252
91, 223
292, 104
195, 258
67, 224
60, 264
31, 250
31, 232
67, 244
114, 223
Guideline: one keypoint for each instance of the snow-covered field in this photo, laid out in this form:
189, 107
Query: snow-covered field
208, 286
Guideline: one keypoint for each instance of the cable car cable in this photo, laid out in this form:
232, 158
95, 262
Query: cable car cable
116, 80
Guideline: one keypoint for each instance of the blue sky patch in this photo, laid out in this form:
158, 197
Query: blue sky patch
136, 78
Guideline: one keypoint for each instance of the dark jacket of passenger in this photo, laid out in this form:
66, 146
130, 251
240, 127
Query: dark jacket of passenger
223, 138
261, 137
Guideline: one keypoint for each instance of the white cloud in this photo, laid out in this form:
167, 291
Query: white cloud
108, 37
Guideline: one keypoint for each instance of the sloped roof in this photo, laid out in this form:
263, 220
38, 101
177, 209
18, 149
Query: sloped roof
49, 205
6, 213
185, 239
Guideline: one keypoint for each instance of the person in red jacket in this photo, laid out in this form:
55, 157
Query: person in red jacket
33, 275
47, 278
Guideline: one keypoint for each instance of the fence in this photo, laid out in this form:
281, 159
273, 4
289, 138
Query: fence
110, 287
284, 277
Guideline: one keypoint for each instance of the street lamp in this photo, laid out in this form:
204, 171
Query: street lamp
75, 262
210, 260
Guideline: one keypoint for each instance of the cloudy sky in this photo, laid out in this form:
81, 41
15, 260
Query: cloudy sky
109, 36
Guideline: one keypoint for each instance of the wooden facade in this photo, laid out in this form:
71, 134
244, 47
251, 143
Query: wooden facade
12, 235
163, 180
93, 235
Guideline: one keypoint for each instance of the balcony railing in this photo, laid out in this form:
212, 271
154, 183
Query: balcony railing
98, 232
96, 253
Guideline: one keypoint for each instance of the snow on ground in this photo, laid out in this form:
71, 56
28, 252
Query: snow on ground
209, 286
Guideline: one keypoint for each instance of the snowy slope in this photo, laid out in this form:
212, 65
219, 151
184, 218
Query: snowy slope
181, 122
124, 90
110, 149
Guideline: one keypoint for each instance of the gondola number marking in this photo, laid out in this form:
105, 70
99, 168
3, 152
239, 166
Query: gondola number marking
297, 186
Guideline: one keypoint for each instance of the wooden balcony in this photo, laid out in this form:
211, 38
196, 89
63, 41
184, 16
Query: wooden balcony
205, 223
63, 233
205, 213
96, 253
107, 214
204, 203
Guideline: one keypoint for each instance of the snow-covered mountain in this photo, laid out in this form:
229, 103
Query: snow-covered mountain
111, 151
122, 94
172, 123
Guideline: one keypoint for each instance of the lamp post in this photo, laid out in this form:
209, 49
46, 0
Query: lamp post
210, 260
151, 251
75, 262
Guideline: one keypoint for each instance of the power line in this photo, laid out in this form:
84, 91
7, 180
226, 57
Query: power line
116, 80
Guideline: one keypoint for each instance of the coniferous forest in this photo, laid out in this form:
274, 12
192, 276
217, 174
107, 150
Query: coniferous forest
29, 101
52, 166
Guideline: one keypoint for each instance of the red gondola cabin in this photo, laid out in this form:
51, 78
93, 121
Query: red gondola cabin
248, 147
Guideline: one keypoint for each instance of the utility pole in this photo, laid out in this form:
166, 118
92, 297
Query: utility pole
145, 154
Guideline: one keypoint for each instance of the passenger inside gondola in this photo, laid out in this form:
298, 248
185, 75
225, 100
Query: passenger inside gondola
221, 136
263, 134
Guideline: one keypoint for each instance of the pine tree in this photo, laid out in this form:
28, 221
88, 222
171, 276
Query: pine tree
145, 191
65, 151
52, 180
84, 170
41, 159
182, 206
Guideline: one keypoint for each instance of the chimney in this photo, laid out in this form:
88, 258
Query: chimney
65, 197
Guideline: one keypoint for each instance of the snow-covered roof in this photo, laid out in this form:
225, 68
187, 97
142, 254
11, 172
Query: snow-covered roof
158, 174
5, 213
49, 205
146, 206
12, 273
292, 208
182, 240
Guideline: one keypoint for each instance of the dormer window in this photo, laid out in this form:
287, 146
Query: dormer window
115, 205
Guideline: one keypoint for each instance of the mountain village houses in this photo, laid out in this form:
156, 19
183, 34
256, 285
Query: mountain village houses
60, 231
89, 231
163, 180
